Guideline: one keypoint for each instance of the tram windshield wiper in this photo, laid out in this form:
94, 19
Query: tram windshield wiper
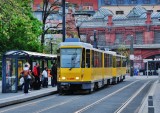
72, 66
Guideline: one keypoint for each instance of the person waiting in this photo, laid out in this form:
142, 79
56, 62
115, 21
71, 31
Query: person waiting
45, 77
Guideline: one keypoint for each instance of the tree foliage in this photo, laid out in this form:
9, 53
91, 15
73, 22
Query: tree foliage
18, 27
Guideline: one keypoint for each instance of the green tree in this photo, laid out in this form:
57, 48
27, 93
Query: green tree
49, 7
18, 27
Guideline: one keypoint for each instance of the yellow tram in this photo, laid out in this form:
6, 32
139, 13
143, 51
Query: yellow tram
82, 67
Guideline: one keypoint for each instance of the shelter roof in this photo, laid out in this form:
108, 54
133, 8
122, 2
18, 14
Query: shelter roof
28, 53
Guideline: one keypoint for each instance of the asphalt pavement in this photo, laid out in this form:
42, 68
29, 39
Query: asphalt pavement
14, 98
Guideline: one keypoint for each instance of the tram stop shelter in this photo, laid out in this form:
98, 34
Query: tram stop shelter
12, 65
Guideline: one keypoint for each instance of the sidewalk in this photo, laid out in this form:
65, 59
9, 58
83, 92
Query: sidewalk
155, 93
14, 98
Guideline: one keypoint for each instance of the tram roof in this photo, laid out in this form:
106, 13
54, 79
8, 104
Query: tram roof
110, 52
28, 53
81, 44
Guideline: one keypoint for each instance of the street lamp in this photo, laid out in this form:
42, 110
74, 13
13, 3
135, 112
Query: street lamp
95, 40
131, 57
64, 20
51, 47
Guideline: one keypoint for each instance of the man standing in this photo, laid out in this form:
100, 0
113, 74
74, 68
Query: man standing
45, 77
54, 75
36, 72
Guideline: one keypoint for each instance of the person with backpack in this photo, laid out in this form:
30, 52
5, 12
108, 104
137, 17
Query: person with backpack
26, 73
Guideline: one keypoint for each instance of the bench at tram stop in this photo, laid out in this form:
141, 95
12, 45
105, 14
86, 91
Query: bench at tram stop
150, 104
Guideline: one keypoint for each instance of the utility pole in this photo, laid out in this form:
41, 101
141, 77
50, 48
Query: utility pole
131, 57
51, 48
64, 20
95, 40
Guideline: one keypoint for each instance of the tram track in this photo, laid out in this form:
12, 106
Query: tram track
119, 98
104, 98
121, 108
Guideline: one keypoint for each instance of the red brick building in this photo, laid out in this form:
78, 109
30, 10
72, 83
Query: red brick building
113, 31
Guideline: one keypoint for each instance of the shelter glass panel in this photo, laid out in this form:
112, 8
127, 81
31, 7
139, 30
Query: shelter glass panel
10, 75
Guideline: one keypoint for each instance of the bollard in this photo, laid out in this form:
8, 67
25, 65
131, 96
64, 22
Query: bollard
150, 109
150, 100
150, 104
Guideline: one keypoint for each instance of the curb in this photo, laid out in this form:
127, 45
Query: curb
30, 97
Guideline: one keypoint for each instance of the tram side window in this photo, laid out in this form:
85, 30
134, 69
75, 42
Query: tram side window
95, 59
105, 60
118, 59
123, 62
83, 59
88, 58
114, 61
110, 61
92, 58
100, 59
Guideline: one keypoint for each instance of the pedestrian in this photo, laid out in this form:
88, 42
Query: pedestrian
54, 75
26, 73
45, 77
36, 73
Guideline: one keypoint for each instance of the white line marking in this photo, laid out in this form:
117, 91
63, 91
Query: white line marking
96, 102
27, 104
62, 103
119, 110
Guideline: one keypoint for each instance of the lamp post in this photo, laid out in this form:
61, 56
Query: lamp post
95, 40
51, 47
64, 20
131, 57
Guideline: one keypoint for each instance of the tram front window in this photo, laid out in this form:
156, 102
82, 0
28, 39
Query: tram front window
70, 58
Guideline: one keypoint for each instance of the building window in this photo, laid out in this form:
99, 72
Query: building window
120, 1
158, 10
158, 1
146, 1
133, 1
119, 12
107, 2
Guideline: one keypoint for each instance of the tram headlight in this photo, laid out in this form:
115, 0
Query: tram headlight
77, 78
63, 78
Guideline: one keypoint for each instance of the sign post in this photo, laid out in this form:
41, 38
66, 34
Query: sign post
146, 61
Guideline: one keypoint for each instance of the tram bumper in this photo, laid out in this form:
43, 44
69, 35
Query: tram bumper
64, 86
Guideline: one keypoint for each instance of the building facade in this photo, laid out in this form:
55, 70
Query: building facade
124, 6
116, 31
